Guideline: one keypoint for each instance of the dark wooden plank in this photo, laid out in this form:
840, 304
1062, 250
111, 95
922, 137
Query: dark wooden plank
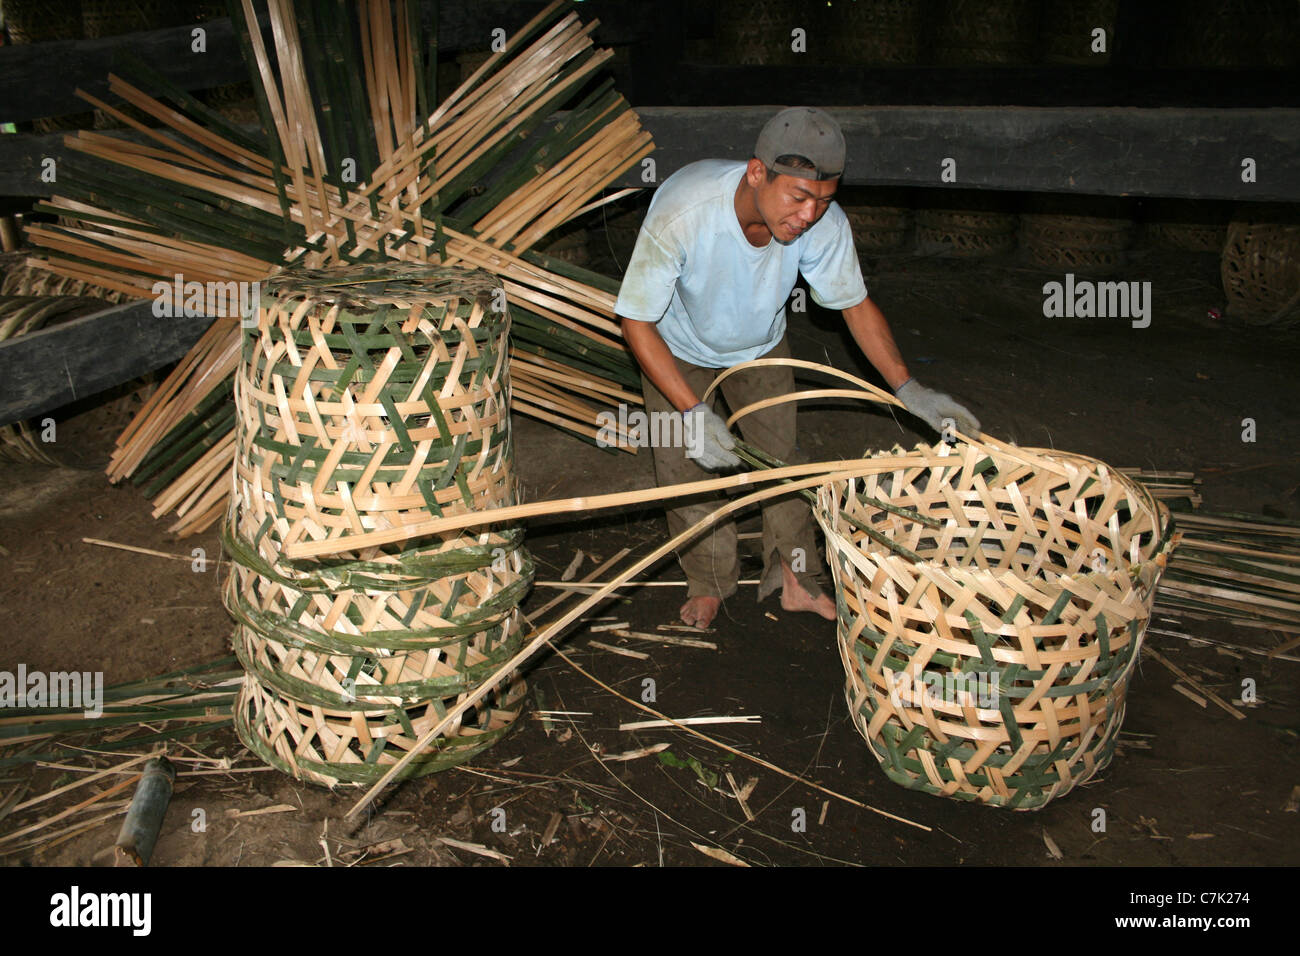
50, 368
1176, 153
816, 84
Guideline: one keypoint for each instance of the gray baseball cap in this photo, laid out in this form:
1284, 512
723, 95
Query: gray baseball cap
802, 131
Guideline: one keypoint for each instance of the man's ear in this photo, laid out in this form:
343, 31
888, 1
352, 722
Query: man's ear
755, 173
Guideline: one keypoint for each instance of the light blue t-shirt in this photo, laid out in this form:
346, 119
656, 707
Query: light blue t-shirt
718, 300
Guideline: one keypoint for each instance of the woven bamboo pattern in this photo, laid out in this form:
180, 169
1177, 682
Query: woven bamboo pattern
479, 180
1074, 242
326, 745
1188, 236
342, 396
758, 32
986, 32
1261, 271
990, 613
965, 232
1066, 31
878, 228
369, 397
874, 32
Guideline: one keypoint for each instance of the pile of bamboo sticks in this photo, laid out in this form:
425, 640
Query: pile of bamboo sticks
185, 703
1239, 568
477, 182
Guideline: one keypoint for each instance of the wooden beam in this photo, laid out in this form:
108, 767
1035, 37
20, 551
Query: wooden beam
1176, 153
53, 367
819, 84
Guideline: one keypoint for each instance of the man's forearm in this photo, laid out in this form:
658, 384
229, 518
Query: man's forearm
658, 363
869, 328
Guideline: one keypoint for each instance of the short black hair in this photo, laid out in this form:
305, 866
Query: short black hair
790, 159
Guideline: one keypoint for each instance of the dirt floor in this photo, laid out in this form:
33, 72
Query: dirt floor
1189, 786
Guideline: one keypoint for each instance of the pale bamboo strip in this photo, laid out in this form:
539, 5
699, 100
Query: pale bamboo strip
417, 529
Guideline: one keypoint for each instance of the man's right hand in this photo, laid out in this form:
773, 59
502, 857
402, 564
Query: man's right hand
707, 440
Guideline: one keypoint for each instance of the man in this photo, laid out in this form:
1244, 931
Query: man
717, 257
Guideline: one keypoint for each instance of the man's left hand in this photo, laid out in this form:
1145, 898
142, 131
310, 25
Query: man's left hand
933, 407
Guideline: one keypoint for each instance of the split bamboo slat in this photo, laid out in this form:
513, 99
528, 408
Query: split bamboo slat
372, 395
212, 202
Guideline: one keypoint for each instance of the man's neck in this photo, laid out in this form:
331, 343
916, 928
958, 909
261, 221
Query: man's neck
751, 223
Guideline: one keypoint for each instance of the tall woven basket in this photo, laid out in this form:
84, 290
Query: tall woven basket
990, 612
369, 397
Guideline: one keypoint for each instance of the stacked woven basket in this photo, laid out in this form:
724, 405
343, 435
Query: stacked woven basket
1075, 242
990, 613
965, 233
369, 397
882, 224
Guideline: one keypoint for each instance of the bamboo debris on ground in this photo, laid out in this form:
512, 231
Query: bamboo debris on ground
210, 202
187, 703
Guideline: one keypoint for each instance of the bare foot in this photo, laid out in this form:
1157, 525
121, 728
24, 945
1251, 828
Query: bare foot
795, 597
699, 611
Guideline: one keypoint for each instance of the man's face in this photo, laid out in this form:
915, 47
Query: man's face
790, 205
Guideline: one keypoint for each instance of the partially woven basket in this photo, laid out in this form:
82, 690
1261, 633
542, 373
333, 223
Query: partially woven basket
990, 612
369, 397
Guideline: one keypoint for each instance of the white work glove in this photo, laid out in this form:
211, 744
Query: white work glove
707, 440
933, 407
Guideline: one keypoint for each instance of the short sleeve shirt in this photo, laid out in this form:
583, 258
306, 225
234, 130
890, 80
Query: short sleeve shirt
717, 300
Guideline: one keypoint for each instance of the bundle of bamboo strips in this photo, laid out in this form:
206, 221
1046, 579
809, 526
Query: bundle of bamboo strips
192, 701
1239, 568
213, 203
